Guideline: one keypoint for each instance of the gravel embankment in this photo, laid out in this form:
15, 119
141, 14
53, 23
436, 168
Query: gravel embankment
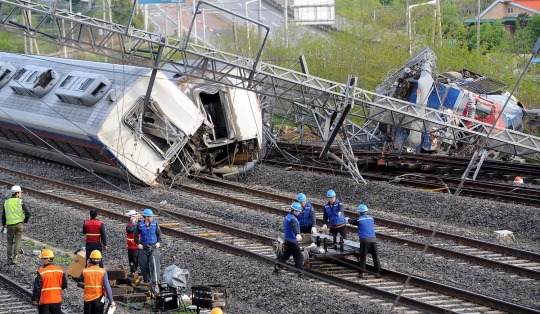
254, 289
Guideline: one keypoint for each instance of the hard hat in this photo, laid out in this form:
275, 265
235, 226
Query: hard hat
47, 254
16, 189
132, 213
518, 180
362, 208
301, 197
216, 310
96, 255
330, 193
148, 213
296, 206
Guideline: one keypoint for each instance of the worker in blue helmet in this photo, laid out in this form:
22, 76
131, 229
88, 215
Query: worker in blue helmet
368, 240
292, 236
306, 218
148, 244
334, 212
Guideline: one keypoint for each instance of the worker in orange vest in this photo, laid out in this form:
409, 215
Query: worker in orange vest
96, 285
48, 285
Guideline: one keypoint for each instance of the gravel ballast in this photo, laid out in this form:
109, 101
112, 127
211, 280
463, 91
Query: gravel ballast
255, 290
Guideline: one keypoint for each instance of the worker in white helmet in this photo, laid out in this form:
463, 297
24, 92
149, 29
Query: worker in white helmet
14, 215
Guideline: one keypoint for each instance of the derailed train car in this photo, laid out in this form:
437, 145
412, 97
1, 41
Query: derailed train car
464, 93
94, 115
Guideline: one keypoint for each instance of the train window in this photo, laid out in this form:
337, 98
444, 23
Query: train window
51, 143
19, 73
482, 111
66, 148
62, 98
68, 81
16, 90
10, 135
216, 114
99, 88
45, 78
32, 78
82, 152
22, 137
97, 155
165, 138
37, 141
4, 74
83, 85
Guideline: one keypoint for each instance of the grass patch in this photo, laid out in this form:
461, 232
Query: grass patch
64, 260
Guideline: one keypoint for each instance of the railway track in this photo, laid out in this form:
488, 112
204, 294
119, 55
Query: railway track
488, 190
430, 162
14, 298
445, 299
521, 262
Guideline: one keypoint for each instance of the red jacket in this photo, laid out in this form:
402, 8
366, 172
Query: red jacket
93, 230
131, 245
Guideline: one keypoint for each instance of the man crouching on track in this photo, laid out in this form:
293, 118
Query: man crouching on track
292, 236
48, 285
148, 244
334, 211
368, 240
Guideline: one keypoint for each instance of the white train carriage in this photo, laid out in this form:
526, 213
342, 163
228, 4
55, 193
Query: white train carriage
89, 113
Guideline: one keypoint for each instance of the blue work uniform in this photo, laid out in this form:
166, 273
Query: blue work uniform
368, 241
306, 218
148, 256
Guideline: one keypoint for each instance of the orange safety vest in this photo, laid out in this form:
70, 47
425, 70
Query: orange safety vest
93, 283
51, 287
93, 230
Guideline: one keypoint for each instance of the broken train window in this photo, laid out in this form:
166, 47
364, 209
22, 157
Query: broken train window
155, 129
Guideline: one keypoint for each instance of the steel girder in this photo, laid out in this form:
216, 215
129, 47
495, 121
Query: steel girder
322, 97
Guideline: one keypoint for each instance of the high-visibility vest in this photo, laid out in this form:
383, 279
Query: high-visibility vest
51, 287
93, 283
93, 230
14, 211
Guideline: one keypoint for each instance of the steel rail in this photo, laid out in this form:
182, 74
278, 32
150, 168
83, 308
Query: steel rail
389, 223
222, 246
467, 191
449, 290
497, 166
499, 304
15, 286
240, 251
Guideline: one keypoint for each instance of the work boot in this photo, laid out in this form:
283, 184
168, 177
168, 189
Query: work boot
360, 276
9, 261
15, 261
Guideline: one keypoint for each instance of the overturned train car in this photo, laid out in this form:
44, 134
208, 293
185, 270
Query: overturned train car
464, 93
94, 115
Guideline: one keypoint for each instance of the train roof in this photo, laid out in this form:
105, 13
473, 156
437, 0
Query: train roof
51, 111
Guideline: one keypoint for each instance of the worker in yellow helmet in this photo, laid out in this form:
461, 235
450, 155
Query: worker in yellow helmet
48, 285
216, 310
96, 285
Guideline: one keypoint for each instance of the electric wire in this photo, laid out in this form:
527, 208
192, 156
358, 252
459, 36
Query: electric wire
463, 179
54, 148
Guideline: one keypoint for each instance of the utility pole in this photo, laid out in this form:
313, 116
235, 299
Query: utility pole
438, 5
179, 19
260, 21
285, 18
478, 29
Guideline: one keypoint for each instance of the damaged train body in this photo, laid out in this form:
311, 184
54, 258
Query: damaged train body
95, 115
464, 93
